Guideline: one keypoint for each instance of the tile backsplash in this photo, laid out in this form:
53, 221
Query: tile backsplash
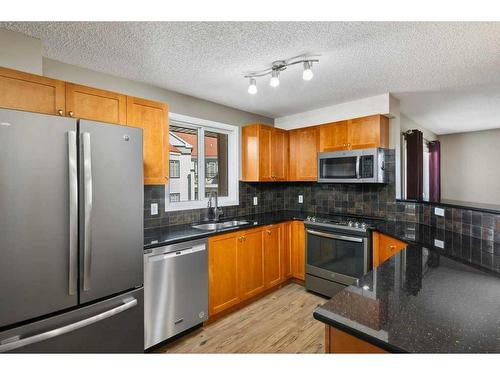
351, 199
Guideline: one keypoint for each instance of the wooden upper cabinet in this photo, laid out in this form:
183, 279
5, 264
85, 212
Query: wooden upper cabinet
30, 92
152, 117
223, 272
251, 263
303, 154
363, 132
273, 271
333, 137
95, 104
385, 247
264, 153
368, 132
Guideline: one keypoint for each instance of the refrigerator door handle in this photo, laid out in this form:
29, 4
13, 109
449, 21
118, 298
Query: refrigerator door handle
15, 342
87, 192
73, 213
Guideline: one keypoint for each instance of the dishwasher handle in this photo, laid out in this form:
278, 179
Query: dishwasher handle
177, 253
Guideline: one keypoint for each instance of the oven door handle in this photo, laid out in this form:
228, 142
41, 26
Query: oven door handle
334, 236
358, 165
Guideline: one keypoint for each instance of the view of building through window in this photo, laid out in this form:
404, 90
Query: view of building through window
184, 161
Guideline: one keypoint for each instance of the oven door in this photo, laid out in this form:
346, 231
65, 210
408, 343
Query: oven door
342, 258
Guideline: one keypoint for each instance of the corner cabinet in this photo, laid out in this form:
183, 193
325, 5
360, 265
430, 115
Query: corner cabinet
264, 153
152, 118
358, 133
30, 92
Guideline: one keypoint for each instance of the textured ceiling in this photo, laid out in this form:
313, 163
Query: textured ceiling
207, 60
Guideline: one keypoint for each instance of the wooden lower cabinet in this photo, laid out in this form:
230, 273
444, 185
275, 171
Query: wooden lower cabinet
273, 255
385, 247
337, 341
298, 250
250, 264
246, 263
223, 272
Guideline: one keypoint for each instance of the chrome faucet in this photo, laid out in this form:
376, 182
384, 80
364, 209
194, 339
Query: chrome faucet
214, 212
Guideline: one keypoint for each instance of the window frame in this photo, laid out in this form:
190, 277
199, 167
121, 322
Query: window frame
178, 168
233, 163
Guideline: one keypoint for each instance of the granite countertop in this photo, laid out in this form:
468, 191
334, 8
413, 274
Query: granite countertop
427, 298
163, 236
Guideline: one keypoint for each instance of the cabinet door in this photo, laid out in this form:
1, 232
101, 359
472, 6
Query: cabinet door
279, 155
250, 153
303, 153
368, 132
251, 264
152, 118
272, 255
94, 104
286, 249
385, 247
333, 137
298, 250
223, 291
29, 92
265, 153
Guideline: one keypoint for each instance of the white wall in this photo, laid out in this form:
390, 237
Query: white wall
408, 123
20, 52
469, 166
357, 108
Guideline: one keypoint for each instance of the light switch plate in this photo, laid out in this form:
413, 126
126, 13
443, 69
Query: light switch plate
439, 243
154, 208
438, 211
255, 201
301, 199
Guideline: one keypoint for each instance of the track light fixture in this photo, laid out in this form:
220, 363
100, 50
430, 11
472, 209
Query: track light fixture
252, 88
277, 67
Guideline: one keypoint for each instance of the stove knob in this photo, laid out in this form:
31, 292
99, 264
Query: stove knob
350, 223
363, 225
308, 218
356, 224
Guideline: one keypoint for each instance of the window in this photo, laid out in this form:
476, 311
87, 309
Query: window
175, 197
193, 143
175, 168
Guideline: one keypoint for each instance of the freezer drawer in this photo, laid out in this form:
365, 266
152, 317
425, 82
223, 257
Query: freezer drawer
175, 290
111, 326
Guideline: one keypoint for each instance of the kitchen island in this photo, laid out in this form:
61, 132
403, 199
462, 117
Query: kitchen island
433, 297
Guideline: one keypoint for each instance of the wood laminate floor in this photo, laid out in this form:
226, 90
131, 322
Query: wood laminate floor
281, 322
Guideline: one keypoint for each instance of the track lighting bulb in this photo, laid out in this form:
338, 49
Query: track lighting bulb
275, 81
252, 88
308, 73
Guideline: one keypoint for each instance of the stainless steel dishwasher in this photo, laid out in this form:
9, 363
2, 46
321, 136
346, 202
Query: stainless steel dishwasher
175, 289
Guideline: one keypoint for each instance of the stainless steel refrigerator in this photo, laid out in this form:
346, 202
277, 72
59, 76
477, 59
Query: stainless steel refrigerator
71, 235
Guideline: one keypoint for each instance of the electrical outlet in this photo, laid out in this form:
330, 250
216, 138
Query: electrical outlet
438, 211
154, 208
255, 201
301, 198
439, 243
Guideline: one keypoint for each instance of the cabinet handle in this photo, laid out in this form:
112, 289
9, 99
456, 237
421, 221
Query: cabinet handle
60, 112
392, 247
244, 238
70, 113
268, 232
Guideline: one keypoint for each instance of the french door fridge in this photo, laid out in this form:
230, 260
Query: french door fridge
71, 235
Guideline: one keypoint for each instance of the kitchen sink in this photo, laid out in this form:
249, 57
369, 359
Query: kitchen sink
219, 226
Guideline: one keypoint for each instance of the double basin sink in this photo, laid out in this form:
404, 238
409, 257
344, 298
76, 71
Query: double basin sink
220, 226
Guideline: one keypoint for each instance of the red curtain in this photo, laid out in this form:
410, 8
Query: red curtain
434, 171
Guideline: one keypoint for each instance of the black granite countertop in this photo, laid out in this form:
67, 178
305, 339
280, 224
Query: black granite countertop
433, 297
172, 234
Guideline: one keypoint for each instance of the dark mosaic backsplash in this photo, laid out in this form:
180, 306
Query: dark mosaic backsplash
359, 199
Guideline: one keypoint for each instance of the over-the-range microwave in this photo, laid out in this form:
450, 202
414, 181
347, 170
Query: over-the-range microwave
354, 166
